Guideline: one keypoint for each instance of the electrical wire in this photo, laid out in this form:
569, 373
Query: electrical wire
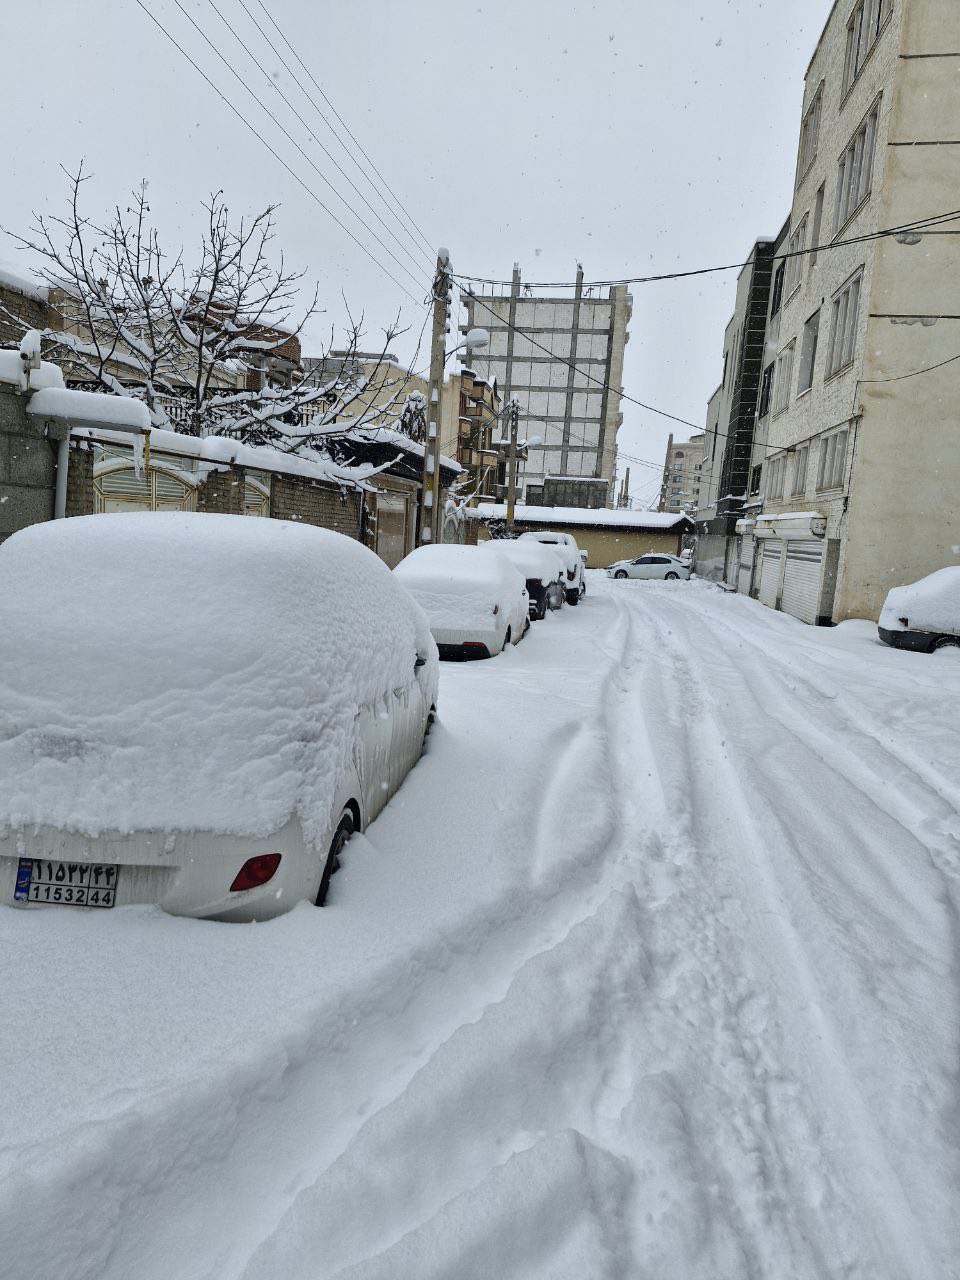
385, 185
343, 173
919, 226
286, 133
261, 139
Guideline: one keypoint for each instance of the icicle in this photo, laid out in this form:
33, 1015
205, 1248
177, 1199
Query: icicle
138, 457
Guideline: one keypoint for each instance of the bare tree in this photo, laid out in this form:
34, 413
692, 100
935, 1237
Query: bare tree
213, 348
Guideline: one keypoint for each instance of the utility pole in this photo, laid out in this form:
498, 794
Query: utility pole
513, 417
429, 515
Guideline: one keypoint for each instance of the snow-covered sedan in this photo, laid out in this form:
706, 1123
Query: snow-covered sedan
476, 603
565, 546
198, 710
542, 569
651, 565
924, 615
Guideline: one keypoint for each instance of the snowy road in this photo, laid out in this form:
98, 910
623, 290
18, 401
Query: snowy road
650, 970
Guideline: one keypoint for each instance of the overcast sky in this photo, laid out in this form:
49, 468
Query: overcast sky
629, 135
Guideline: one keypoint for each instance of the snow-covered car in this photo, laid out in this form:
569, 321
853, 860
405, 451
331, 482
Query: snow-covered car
198, 710
542, 570
924, 615
651, 565
476, 603
565, 545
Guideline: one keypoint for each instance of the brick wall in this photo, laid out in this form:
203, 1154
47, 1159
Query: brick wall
292, 498
33, 313
222, 491
80, 495
27, 467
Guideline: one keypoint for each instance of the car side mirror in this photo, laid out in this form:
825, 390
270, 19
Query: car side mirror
584, 556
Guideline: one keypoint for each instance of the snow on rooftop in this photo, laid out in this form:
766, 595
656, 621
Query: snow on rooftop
603, 517
22, 282
89, 407
192, 671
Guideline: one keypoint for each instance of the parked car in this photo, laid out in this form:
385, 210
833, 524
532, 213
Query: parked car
197, 711
924, 615
542, 569
476, 603
566, 547
651, 565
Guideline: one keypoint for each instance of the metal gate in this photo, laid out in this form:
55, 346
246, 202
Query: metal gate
745, 568
732, 564
802, 577
391, 528
770, 572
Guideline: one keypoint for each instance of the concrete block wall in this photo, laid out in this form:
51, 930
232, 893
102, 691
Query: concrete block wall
292, 498
80, 491
27, 467
222, 492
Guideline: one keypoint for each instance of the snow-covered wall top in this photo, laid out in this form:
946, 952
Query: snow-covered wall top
90, 406
598, 518
22, 283
14, 373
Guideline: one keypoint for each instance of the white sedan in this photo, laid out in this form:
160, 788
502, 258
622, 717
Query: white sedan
476, 603
197, 710
654, 564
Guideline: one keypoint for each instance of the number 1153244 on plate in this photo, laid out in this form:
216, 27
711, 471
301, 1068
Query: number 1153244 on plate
66, 884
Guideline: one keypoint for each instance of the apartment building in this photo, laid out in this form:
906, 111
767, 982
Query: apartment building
682, 469
855, 458
561, 357
470, 427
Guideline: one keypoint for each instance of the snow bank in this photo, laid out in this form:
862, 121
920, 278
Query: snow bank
458, 587
184, 671
90, 406
932, 604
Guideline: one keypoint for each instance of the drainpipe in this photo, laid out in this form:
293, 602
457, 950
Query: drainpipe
60, 431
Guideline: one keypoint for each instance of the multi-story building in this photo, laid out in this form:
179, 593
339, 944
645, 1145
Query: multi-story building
855, 458
561, 357
680, 491
381, 381
469, 429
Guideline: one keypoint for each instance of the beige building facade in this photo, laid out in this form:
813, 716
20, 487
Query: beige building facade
682, 472
855, 462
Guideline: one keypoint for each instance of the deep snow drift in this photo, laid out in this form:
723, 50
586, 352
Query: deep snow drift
649, 969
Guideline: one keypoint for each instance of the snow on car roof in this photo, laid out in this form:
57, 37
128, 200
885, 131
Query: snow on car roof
458, 586
931, 604
178, 671
533, 559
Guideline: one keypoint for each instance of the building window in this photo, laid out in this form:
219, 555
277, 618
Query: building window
794, 265
776, 292
766, 387
833, 453
817, 225
783, 379
856, 168
776, 468
843, 336
808, 353
723, 380
755, 475
810, 135
866, 24
800, 459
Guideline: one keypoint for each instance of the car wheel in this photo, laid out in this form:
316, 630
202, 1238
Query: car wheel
542, 611
583, 589
621, 573
946, 642
506, 640
573, 597
345, 829
671, 576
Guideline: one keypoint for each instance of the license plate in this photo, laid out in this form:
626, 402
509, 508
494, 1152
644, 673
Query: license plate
66, 884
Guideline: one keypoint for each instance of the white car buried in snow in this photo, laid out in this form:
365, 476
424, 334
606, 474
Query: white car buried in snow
198, 710
541, 567
574, 560
924, 615
476, 603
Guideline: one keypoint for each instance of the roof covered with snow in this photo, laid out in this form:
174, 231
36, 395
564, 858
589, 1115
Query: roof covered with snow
600, 518
192, 671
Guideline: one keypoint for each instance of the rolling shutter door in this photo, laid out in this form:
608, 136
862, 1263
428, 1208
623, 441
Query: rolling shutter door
732, 565
747, 547
801, 579
391, 528
770, 572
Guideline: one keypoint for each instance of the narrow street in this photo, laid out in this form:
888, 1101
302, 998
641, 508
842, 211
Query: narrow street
649, 969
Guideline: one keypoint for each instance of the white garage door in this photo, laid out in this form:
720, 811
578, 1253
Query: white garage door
801, 579
747, 547
770, 572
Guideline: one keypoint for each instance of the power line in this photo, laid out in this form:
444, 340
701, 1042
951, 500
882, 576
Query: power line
343, 173
914, 374
353, 139
260, 138
906, 228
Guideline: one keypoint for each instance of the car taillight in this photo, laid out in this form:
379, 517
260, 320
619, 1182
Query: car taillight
904, 622
255, 872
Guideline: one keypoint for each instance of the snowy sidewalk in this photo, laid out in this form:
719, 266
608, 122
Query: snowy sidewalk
650, 968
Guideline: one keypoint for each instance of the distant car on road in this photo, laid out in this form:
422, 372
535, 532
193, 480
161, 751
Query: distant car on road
651, 565
566, 547
542, 569
476, 603
924, 615
198, 711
